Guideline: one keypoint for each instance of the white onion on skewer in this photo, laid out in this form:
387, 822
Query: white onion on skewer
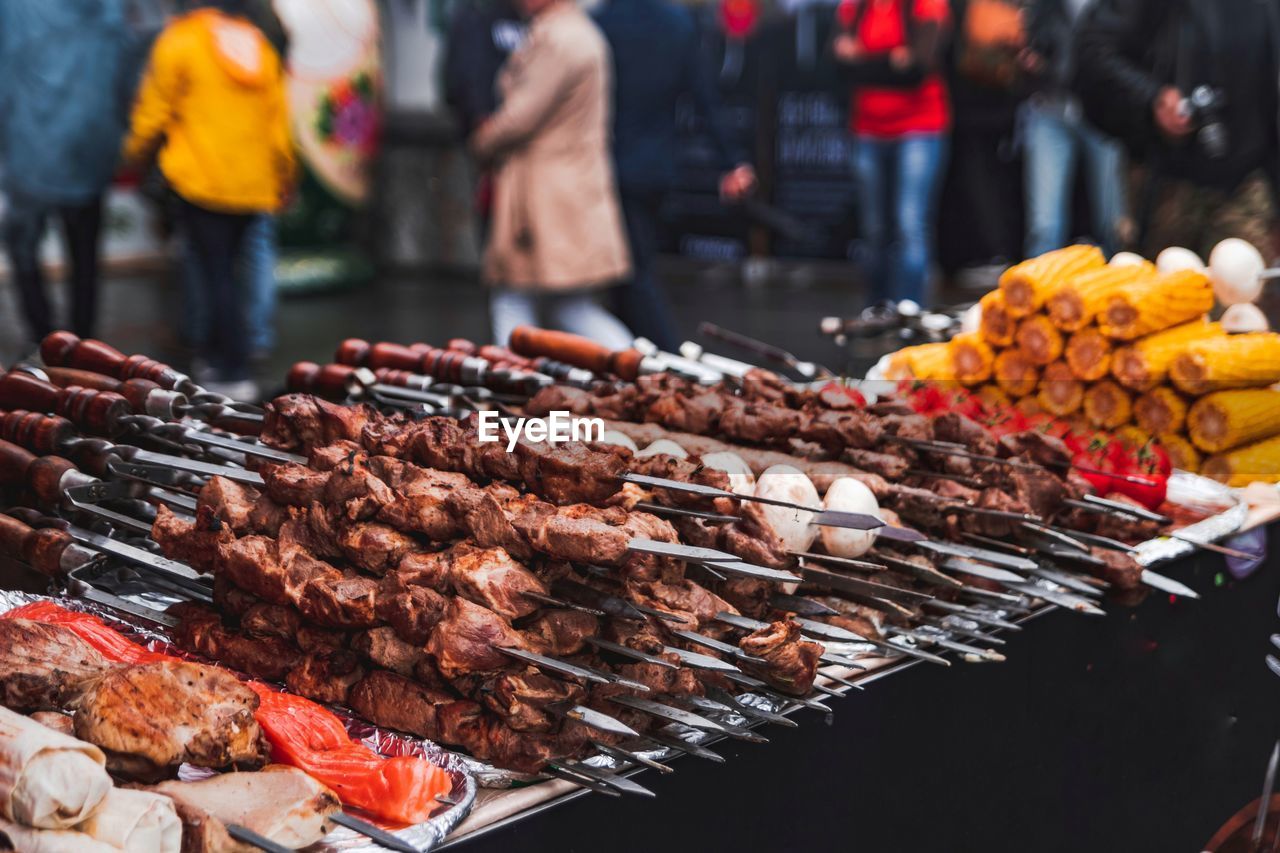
1244, 317
741, 480
1176, 258
849, 495
621, 439
792, 526
1127, 259
664, 445
1236, 267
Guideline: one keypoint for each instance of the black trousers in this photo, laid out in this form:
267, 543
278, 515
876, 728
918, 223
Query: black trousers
215, 244
642, 303
81, 228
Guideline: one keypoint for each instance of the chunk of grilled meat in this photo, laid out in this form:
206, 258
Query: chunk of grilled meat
200, 630
44, 667
792, 663
171, 713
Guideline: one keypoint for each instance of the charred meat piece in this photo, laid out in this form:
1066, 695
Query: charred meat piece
44, 667
171, 713
200, 630
325, 676
384, 649
562, 632
196, 542
792, 661
229, 502
466, 640
300, 421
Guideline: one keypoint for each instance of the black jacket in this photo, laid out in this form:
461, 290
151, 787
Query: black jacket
1128, 50
658, 58
482, 34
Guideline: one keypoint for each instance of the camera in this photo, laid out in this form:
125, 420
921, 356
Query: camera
1204, 107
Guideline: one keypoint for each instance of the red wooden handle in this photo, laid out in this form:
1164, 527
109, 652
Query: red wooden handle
41, 434
66, 377
330, 381
42, 475
576, 350
41, 549
63, 349
395, 356
353, 351
89, 409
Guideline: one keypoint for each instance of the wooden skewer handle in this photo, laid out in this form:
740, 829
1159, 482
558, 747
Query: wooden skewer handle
41, 549
41, 434
89, 409
139, 392
330, 381
41, 475
576, 350
63, 349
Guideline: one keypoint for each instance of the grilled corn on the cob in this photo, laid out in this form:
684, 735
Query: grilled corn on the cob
1088, 354
1245, 465
1144, 364
1227, 419
1107, 405
1074, 305
997, 326
1060, 392
1039, 340
1160, 410
1015, 374
972, 359
1156, 304
1182, 453
1234, 361
1027, 285
926, 361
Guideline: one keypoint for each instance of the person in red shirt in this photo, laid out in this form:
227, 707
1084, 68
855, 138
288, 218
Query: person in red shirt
900, 116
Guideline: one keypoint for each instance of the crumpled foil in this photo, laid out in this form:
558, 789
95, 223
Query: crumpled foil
1191, 490
425, 836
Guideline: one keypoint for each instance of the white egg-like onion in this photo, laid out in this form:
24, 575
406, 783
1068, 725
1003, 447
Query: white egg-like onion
849, 495
741, 479
793, 527
664, 445
621, 439
1127, 259
1176, 258
1235, 268
1244, 317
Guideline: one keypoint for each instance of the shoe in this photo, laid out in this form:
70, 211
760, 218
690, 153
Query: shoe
241, 390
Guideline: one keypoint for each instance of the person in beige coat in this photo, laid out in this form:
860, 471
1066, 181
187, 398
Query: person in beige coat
556, 236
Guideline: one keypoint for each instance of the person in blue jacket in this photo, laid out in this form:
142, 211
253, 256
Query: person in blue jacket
657, 58
67, 72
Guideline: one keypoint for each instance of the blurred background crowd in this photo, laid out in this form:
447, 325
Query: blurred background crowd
236, 184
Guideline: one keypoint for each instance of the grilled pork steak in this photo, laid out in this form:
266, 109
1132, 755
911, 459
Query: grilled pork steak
44, 667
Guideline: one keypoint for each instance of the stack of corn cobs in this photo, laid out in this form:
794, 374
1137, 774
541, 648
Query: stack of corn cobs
1121, 348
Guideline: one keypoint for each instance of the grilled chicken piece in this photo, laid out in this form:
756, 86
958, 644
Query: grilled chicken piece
280, 803
44, 667
792, 662
169, 713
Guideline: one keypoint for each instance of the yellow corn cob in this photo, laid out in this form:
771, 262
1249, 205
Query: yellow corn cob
1060, 392
971, 359
1232, 361
1132, 435
1182, 453
1039, 340
1252, 463
1227, 419
1029, 405
997, 326
1027, 285
926, 361
1155, 304
1107, 405
1074, 305
1088, 354
1015, 374
1160, 410
1144, 364
993, 398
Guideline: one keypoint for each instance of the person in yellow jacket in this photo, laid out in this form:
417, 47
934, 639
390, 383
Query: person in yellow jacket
213, 105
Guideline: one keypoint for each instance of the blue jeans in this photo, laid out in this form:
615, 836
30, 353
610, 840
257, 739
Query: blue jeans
898, 184
1057, 138
576, 312
257, 275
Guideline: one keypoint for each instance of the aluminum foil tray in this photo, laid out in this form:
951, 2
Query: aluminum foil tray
425, 836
